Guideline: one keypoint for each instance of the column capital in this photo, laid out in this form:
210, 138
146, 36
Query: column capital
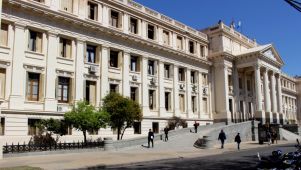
105, 46
257, 66
52, 33
20, 25
80, 40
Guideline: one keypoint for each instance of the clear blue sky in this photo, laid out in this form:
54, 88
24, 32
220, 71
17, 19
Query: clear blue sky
268, 21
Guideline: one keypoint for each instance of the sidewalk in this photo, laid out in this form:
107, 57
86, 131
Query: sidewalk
125, 156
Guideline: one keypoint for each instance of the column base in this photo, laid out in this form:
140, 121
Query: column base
260, 116
276, 118
50, 105
222, 117
16, 102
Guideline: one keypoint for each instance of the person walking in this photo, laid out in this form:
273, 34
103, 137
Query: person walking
222, 138
269, 136
166, 129
196, 126
237, 140
150, 138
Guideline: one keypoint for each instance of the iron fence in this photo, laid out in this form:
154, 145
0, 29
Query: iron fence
21, 148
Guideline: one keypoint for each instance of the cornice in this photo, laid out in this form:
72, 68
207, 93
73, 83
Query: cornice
99, 27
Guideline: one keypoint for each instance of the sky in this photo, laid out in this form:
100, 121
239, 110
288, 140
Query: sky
268, 21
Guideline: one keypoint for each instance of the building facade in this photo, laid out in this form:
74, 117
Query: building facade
54, 53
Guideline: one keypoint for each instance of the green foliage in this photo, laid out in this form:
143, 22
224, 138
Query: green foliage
123, 112
85, 117
176, 122
55, 126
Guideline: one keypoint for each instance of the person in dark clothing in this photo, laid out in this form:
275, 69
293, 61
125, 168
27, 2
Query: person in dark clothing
196, 126
222, 138
166, 133
237, 140
150, 138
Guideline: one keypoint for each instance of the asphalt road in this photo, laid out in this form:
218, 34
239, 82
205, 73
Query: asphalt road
242, 160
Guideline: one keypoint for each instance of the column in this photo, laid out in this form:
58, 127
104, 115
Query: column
161, 89
174, 40
126, 23
145, 104
200, 82
258, 88
79, 67
104, 78
176, 90
125, 74
279, 94
267, 99
105, 16
188, 93
236, 93
16, 100
273, 91
50, 100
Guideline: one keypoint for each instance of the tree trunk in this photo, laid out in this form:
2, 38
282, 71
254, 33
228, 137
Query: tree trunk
85, 136
123, 132
118, 133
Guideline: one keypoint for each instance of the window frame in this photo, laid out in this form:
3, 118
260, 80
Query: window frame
61, 85
33, 81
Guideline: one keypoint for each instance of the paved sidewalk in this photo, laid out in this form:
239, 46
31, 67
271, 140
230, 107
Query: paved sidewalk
125, 156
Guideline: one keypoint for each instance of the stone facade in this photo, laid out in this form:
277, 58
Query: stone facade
56, 52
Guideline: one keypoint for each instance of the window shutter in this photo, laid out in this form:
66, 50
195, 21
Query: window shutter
88, 10
4, 34
85, 84
97, 55
39, 42
96, 12
68, 48
71, 90
93, 93
2, 83
120, 19
30, 41
56, 87
41, 87
120, 54
61, 48
139, 60
110, 17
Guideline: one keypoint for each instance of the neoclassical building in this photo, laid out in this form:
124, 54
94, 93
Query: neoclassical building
54, 53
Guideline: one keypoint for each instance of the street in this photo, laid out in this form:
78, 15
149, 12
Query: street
245, 160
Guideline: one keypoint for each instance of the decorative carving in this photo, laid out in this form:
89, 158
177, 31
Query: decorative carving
36, 69
64, 73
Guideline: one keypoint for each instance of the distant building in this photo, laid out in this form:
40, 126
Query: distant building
56, 52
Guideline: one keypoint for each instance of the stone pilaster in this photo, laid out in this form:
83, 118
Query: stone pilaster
104, 78
50, 100
176, 90
161, 89
145, 104
125, 74
200, 88
79, 67
188, 93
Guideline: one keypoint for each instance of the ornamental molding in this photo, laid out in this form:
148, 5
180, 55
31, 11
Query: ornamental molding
64, 73
91, 77
33, 68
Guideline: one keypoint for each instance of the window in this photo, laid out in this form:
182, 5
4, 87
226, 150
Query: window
134, 25
91, 54
150, 32
205, 79
114, 59
179, 43
135, 65
152, 100
67, 5
2, 126
4, 35
65, 48
240, 82
166, 71
92, 11
113, 88
151, 67
181, 74
64, 89
248, 85
2, 83
167, 101
33, 127
165, 38
191, 47
182, 102
137, 127
134, 93
115, 19
205, 108
193, 77
91, 92
202, 51
35, 41
33, 88
193, 104
155, 127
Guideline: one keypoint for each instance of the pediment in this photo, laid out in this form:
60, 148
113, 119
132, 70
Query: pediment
271, 53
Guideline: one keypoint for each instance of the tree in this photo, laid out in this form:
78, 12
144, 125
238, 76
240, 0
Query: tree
123, 112
176, 122
54, 126
85, 117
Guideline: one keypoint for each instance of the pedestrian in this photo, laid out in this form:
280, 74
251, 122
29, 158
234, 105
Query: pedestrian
269, 137
196, 126
166, 129
150, 138
275, 136
237, 140
222, 138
